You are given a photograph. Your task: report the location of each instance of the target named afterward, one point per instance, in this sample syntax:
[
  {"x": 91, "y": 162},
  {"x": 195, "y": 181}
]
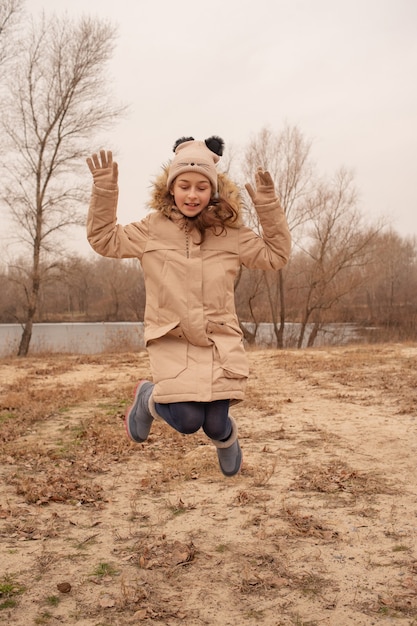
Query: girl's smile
[{"x": 192, "y": 193}]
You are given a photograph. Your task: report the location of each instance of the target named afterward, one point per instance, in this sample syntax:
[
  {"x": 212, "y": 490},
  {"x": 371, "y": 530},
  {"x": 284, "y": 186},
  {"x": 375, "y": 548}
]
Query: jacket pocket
[
  {"x": 228, "y": 341},
  {"x": 167, "y": 349},
  {"x": 172, "y": 328}
]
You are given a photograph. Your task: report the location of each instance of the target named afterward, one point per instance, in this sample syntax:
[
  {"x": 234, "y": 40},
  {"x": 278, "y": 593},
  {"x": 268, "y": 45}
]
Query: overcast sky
[{"x": 343, "y": 71}]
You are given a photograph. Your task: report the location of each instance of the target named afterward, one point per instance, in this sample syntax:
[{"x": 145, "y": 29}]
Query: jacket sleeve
[
  {"x": 105, "y": 235},
  {"x": 270, "y": 251}
]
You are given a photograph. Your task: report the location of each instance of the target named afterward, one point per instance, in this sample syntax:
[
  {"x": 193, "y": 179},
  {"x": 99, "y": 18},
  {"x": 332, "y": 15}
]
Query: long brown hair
[{"x": 214, "y": 217}]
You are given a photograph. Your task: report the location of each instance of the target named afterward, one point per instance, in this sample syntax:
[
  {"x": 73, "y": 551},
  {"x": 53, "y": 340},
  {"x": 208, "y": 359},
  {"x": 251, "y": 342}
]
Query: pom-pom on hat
[{"x": 196, "y": 156}]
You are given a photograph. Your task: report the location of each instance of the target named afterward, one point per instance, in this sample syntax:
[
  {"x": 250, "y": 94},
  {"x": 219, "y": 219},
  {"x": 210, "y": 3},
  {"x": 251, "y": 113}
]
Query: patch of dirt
[{"x": 318, "y": 529}]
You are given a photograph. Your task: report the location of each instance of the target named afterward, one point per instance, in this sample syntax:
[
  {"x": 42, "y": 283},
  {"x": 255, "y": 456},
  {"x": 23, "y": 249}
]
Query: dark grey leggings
[{"x": 188, "y": 417}]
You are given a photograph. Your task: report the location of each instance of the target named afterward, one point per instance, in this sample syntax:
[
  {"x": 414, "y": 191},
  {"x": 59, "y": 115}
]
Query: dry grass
[
  {"x": 318, "y": 529},
  {"x": 339, "y": 477}
]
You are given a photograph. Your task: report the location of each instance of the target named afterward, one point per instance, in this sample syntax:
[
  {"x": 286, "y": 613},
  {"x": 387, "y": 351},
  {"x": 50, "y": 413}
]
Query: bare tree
[
  {"x": 337, "y": 242},
  {"x": 248, "y": 291},
  {"x": 10, "y": 14},
  {"x": 117, "y": 285},
  {"x": 8, "y": 297},
  {"x": 286, "y": 155},
  {"x": 391, "y": 289},
  {"x": 78, "y": 277},
  {"x": 57, "y": 98}
]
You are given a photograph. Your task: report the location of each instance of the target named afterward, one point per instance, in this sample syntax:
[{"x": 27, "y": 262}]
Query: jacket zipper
[{"x": 187, "y": 241}]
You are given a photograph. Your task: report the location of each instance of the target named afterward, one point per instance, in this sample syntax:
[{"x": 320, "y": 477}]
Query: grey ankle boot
[
  {"x": 229, "y": 453},
  {"x": 140, "y": 415}
]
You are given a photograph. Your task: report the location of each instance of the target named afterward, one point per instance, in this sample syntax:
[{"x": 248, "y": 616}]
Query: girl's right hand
[{"x": 103, "y": 169}]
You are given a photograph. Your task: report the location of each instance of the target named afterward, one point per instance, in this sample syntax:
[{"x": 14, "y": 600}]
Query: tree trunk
[
  {"x": 248, "y": 335},
  {"x": 303, "y": 328},
  {"x": 33, "y": 297},
  {"x": 281, "y": 329},
  {"x": 26, "y": 338},
  {"x": 278, "y": 330},
  {"x": 313, "y": 335},
  {"x": 28, "y": 325}
]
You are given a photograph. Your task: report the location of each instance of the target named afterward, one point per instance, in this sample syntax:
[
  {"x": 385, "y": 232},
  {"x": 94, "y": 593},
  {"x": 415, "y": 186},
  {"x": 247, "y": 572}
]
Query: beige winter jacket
[{"x": 192, "y": 332}]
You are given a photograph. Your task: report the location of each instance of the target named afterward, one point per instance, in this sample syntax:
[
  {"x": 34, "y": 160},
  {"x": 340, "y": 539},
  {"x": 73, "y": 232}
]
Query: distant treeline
[{"x": 377, "y": 289}]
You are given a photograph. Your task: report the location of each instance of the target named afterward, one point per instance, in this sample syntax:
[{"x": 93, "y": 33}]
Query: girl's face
[{"x": 192, "y": 193}]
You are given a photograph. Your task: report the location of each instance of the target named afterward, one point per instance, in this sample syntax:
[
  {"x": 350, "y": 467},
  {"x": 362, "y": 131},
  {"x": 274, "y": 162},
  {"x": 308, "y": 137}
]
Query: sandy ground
[{"x": 318, "y": 529}]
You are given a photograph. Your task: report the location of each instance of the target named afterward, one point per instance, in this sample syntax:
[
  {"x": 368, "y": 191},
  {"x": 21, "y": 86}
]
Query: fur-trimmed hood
[{"x": 161, "y": 199}]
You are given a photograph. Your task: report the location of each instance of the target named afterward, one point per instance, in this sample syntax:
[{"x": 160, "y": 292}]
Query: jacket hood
[{"x": 161, "y": 199}]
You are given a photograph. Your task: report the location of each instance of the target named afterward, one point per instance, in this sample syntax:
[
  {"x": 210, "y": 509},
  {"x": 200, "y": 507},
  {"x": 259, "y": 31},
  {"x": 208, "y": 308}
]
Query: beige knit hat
[{"x": 196, "y": 156}]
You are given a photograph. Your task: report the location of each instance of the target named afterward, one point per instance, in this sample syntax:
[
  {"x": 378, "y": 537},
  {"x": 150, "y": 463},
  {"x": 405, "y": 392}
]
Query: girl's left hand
[{"x": 265, "y": 190}]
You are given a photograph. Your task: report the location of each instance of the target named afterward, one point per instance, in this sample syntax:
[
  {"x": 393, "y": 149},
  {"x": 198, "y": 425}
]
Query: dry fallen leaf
[
  {"x": 141, "y": 614},
  {"x": 107, "y": 602}
]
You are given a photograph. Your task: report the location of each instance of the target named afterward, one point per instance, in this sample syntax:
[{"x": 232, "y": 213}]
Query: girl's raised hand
[
  {"x": 265, "y": 190},
  {"x": 103, "y": 169}
]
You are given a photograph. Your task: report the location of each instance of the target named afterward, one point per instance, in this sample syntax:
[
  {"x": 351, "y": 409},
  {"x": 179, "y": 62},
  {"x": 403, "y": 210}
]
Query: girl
[{"x": 191, "y": 248}]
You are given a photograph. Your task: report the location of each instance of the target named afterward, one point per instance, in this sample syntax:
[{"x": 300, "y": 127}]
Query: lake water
[{"x": 94, "y": 338}]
